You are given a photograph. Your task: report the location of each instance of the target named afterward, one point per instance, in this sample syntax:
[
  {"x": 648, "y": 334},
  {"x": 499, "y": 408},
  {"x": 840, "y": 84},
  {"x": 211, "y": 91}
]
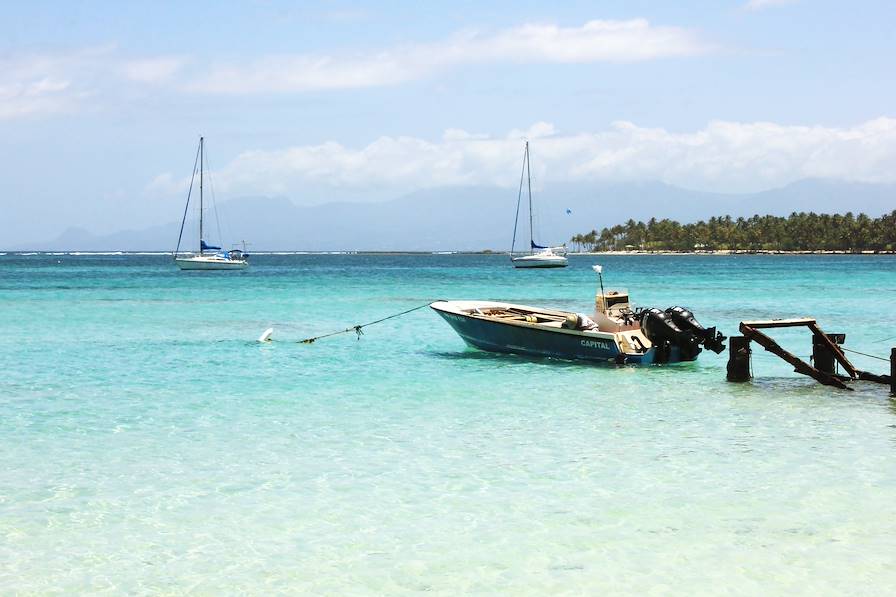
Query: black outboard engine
[
  {"x": 661, "y": 329},
  {"x": 709, "y": 337}
]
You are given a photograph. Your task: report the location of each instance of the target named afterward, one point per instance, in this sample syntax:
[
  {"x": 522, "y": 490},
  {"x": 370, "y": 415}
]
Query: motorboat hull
[
  {"x": 538, "y": 340},
  {"x": 204, "y": 263}
]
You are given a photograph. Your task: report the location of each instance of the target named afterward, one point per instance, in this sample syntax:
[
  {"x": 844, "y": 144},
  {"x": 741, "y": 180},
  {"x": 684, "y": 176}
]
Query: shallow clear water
[{"x": 149, "y": 445}]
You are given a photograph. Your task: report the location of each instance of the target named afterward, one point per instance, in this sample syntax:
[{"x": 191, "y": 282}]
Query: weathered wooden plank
[
  {"x": 778, "y": 323},
  {"x": 865, "y": 376}
]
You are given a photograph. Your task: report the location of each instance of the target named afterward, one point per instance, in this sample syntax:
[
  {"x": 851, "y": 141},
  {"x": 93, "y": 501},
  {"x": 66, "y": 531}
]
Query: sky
[{"x": 102, "y": 103}]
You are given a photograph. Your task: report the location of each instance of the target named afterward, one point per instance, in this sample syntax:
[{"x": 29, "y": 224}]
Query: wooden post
[
  {"x": 739, "y": 359},
  {"x": 838, "y": 354},
  {"x": 822, "y": 356},
  {"x": 893, "y": 372}
]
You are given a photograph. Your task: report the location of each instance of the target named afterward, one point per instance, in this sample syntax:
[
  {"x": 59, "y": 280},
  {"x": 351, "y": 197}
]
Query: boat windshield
[
  {"x": 612, "y": 300},
  {"x": 616, "y": 299}
]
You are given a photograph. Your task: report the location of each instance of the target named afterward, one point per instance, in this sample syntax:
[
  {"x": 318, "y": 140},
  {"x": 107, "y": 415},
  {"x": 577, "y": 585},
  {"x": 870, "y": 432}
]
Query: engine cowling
[
  {"x": 662, "y": 331},
  {"x": 685, "y": 320}
]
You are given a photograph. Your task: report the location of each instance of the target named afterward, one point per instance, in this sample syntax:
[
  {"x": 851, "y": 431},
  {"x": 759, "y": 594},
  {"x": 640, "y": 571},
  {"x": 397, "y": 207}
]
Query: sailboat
[
  {"x": 538, "y": 256},
  {"x": 208, "y": 257}
]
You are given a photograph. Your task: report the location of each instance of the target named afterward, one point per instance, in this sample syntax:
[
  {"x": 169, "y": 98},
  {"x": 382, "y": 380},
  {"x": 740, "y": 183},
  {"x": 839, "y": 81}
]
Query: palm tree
[{"x": 798, "y": 231}]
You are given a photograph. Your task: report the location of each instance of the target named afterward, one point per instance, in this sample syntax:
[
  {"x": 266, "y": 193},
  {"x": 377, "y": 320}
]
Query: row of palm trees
[{"x": 796, "y": 232}]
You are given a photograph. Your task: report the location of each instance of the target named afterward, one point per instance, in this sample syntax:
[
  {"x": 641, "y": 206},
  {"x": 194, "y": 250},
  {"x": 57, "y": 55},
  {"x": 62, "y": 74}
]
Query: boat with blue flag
[
  {"x": 615, "y": 333},
  {"x": 209, "y": 257},
  {"x": 539, "y": 256}
]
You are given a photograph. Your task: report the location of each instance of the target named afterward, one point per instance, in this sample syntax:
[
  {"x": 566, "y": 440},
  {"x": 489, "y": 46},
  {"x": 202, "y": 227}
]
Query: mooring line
[
  {"x": 865, "y": 354},
  {"x": 357, "y": 328}
]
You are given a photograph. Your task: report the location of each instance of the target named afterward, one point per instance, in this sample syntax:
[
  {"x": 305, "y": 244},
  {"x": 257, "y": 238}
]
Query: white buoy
[{"x": 266, "y": 335}]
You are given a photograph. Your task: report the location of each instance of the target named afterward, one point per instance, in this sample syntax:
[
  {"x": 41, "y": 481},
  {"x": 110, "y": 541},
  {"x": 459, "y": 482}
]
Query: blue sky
[{"x": 101, "y": 103}]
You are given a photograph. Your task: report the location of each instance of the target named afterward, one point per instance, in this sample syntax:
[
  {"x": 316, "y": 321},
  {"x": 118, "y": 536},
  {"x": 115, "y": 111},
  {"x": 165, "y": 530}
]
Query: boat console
[{"x": 613, "y": 312}]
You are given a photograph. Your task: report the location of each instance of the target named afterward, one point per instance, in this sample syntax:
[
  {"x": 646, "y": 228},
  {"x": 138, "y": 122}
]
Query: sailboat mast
[
  {"x": 201, "y": 167},
  {"x": 529, "y": 182}
]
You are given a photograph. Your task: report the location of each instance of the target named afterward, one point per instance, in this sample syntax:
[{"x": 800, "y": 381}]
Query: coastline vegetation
[{"x": 796, "y": 232}]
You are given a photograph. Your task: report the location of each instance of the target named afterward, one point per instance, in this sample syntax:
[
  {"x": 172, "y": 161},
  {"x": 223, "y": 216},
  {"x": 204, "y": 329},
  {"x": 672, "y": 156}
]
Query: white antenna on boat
[{"x": 600, "y": 274}]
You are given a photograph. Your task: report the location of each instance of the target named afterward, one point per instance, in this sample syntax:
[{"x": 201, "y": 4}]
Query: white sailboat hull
[
  {"x": 524, "y": 262},
  {"x": 206, "y": 262},
  {"x": 542, "y": 260}
]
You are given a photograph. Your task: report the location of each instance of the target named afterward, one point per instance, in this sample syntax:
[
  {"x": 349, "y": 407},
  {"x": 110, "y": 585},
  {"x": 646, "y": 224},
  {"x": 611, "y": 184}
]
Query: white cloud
[
  {"x": 760, "y": 4},
  {"x": 41, "y": 84},
  {"x": 24, "y": 97},
  {"x": 45, "y": 84},
  {"x": 595, "y": 41},
  {"x": 723, "y": 156},
  {"x": 152, "y": 70},
  {"x": 166, "y": 184},
  {"x": 345, "y": 15}
]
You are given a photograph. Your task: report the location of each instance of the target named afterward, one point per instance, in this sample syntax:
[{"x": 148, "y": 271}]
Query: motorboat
[{"x": 615, "y": 333}]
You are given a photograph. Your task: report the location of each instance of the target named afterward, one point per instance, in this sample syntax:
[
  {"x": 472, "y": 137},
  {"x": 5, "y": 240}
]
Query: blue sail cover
[
  {"x": 534, "y": 246},
  {"x": 206, "y": 247}
]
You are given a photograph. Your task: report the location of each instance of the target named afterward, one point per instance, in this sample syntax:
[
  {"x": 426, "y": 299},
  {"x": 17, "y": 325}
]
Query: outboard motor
[
  {"x": 709, "y": 337},
  {"x": 661, "y": 329}
]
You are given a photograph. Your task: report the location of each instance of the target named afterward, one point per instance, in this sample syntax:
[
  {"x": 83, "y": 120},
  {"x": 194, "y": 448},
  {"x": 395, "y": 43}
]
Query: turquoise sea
[{"x": 148, "y": 444}]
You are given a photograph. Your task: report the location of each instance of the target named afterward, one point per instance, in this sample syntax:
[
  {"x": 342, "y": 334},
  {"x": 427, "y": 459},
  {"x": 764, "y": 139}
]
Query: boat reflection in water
[{"x": 615, "y": 333}]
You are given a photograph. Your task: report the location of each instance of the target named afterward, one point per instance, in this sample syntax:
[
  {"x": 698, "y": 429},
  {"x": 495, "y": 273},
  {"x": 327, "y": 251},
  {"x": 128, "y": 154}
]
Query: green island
[{"x": 798, "y": 232}]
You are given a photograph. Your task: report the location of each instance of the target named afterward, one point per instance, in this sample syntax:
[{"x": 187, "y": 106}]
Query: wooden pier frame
[
  {"x": 825, "y": 350},
  {"x": 750, "y": 330}
]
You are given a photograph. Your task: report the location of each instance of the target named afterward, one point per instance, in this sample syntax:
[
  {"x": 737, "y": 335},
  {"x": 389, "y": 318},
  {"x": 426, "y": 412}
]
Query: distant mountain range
[{"x": 477, "y": 218}]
